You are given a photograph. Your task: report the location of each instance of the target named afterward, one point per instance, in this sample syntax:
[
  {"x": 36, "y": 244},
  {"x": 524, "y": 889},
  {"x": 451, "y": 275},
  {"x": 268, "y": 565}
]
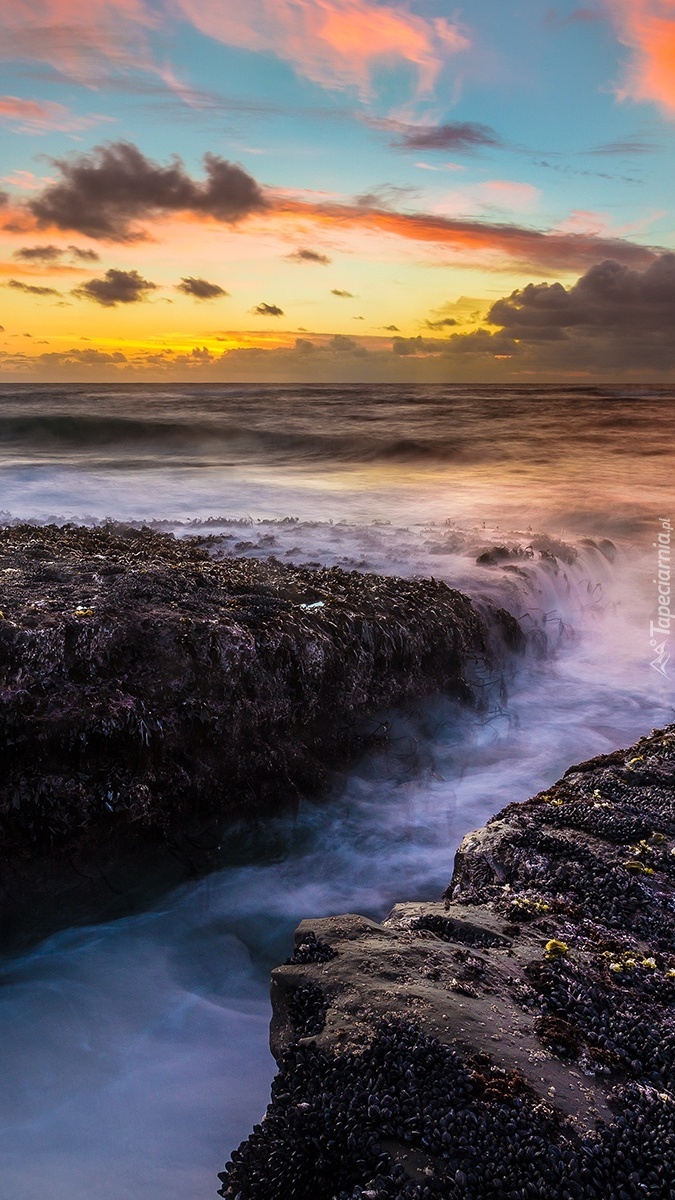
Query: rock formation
[
  {"x": 515, "y": 1039},
  {"x": 150, "y": 693}
]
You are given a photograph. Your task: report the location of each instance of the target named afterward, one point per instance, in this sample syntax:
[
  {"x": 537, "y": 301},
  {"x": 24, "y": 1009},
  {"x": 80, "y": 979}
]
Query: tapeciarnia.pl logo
[{"x": 659, "y": 630}]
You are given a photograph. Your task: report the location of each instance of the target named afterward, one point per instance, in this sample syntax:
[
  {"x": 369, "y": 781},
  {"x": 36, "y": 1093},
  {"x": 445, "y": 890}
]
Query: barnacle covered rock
[{"x": 485, "y": 1047}]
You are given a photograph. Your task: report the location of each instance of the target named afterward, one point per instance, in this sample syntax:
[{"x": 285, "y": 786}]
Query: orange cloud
[
  {"x": 502, "y": 245},
  {"x": 35, "y": 116},
  {"x": 647, "y": 27},
  {"x": 336, "y": 43},
  {"x": 74, "y": 37}
]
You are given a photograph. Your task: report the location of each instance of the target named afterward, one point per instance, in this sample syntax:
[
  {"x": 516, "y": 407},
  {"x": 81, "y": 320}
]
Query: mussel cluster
[
  {"x": 311, "y": 950},
  {"x": 472, "y": 1132},
  {"x": 307, "y": 1009}
]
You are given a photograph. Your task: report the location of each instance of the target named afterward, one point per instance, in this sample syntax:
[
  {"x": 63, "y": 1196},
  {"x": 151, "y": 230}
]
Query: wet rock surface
[
  {"x": 515, "y": 1039},
  {"x": 147, "y": 692}
]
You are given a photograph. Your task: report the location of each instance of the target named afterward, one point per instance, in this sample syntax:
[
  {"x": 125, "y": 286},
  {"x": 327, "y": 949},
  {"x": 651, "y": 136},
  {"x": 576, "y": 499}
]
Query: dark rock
[
  {"x": 516, "y": 1040},
  {"x": 148, "y": 693}
]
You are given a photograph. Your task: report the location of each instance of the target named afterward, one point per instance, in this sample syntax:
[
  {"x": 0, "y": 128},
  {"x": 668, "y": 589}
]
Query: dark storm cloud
[
  {"x": 201, "y": 289},
  {"x": 613, "y": 318},
  {"x": 32, "y": 289},
  {"x": 53, "y": 254},
  {"x": 41, "y": 254},
  {"x": 116, "y": 287},
  {"x": 442, "y": 323},
  {"x": 343, "y": 295},
  {"x": 84, "y": 255},
  {"x": 103, "y": 193},
  {"x": 311, "y": 256},
  {"x": 608, "y": 297},
  {"x": 268, "y": 310},
  {"x": 455, "y": 136}
]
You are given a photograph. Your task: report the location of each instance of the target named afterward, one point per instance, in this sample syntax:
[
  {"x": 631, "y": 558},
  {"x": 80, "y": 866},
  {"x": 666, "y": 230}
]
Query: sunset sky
[{"x": 337, "y": 190}]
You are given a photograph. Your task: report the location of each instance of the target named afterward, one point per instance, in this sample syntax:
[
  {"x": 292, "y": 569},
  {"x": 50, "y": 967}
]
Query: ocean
[{"x": 135, "y": 1053}]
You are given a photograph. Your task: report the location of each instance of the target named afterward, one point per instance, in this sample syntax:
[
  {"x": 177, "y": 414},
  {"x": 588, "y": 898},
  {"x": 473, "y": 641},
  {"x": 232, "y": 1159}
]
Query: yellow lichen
[
  {"x": 556, "y": 949},
  {"x": 626, "y": 960},
  {"x": 637, "y": 868},
  {"x": 530, "y": 905}
]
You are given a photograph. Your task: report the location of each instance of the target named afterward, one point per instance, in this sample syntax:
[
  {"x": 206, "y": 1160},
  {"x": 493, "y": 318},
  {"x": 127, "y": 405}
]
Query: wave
[{"x": 58, "y": 434}]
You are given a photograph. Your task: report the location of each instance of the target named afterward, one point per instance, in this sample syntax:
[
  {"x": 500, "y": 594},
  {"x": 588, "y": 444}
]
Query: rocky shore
[
  {"x": 150, "y": 694},
  {"x": 515, "y": 1039}
]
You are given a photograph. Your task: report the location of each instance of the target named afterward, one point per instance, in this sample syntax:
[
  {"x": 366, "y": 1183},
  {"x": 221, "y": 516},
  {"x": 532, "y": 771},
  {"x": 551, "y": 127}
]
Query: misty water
[{"x": 135, "y": 1053}]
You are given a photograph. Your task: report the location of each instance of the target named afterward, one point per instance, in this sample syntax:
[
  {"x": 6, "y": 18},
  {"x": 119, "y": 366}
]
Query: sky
[{"x": 296, "y": 190}]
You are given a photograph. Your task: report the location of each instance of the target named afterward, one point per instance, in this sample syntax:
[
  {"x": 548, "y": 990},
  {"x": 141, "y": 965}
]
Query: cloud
[
  {"x": 44, "y": 116},
  {"x": 503, "y": 245},
  {"x": 609, "y": 297},
  {"x": 613, "y": 324},
  {"x": 31, "y": 289},
  {"x": 53, "y": 255},
  {"x": 391, "y": 328},
  {"x": 116, "y": 287},
  {"x": 612, "y": 319},
  {"x": 312, "y": 256},
  {"x": 417, "y": 345},
  {"x": 342, "y": 294},
  {"x": 83, "y": 255},
  {"x": 553, "y": 19},
  {"x": 201, "y": 289},
  {"x": 338, "y": 44},
  {"x": 442, "y": 323},
  {"x": 103, "y": 194},
  {"x": 335, "y": 43},
  {"x": 79, "y": 40},
  {"x": 627, "y": 145},
  {"x": 456, "y": 136},
  {"x": 647, "y": 27},
  {"x": 267, "y": 310},
  {"x": 41, "y": 254},
  {"x": 346, "y": 345}
]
